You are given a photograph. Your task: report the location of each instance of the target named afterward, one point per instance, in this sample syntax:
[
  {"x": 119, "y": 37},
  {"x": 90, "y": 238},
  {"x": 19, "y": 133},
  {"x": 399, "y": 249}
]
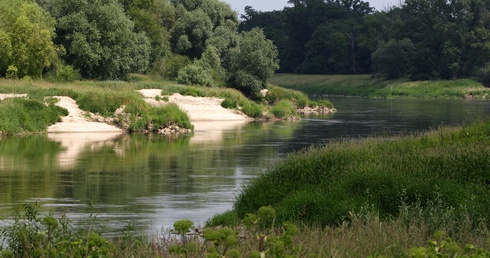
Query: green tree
[
  {"x": 190, "y": 33},
  {"x": 252, "y": 62},
  {"x": 26, "y": 38},
  {"x": 154, "y": 18},
  {"x": 99, "y": 38},
  {"x": 391, "y": 58}
]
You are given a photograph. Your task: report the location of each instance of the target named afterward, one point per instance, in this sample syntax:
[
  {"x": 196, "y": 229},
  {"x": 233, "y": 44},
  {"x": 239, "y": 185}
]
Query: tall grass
[
  {"x": 362, "y": 235},
  {"x": 445, "y": 174},
  {"x": 20, "y": 115},
  {"x": 366, "y": 86}
]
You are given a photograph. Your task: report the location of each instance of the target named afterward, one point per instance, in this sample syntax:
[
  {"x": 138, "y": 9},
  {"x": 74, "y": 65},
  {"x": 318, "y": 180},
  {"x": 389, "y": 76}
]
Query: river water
[{"x": 150, "y": 181}]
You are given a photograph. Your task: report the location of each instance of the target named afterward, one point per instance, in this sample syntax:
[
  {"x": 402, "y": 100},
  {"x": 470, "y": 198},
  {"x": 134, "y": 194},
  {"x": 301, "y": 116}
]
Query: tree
[
  {"x": 391, "y": 59},
  {"x": 190, "y": 33},
  {"x": 253, "y": 61},
  {"x": 99, "y": 38},
  {"x": 26, "y": 38}
]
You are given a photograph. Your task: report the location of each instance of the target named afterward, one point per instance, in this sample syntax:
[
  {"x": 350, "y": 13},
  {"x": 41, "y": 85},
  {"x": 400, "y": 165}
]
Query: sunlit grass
[{"x": 366, "y": 86}]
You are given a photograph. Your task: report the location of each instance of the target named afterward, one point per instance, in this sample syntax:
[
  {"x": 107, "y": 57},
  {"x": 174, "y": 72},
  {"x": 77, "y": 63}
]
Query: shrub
[
  {"x": 195, "y": 75},
  {"x": 27, "y": 115},
  {"x": 33, "y": 236},
  {"x": 169, "y": 67},
  {"x": 284, "y": 109},
  {"x": 253, "y": 110},
  {"x": 12, "y": 72},
  {"x": 192, "y": 91},
  {"x": 229, "y": 103},
  {"x": 64, "y": 73}
]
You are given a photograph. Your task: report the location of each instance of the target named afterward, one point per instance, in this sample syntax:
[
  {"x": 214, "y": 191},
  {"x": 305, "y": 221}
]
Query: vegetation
[
  {"x": 28, "y": 115},
  {"x": 260, "y": 235},
  {"x": 366, "y": 86},
  {"x": 439, "y": 178},
  {"x": 194, "y": 42},
  {"x": 120, "y": 103},
  {"x": 419, "y": 39}
]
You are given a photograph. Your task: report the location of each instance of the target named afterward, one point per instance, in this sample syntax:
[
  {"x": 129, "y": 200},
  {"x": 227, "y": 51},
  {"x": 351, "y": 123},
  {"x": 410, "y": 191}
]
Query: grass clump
[
  {"x": 284, "y": 109},
  {"x": 21, "y": 115}
]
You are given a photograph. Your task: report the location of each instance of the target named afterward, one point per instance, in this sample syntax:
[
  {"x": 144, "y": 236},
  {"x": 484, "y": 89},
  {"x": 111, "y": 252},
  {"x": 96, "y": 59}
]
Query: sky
[{"x": 269, "y": 5}]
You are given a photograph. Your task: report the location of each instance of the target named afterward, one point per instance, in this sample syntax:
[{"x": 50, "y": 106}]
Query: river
[{"x": 150, "y": 181}]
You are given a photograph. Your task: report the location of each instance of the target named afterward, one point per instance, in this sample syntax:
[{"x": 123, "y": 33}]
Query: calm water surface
[{"x": 150, "y": 181}]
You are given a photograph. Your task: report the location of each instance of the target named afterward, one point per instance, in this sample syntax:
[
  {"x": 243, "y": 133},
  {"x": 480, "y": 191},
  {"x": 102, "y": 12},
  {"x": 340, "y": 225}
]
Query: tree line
[
  {"x": 421, "y": 39},
  {"x": 192, "y": 41}
]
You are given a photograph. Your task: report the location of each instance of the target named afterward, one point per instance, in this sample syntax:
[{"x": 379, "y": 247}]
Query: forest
[
  {"x": 418, "y": 39},
  {"x": 204, "y": 42}
]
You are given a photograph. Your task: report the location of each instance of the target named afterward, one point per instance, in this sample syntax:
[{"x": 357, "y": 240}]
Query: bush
[
  {"x": 169, "y": 67},
  {"x": 192, "y": 91},
  {"x": 195, "y": 75},
  {"x": 284, "y": 109},
  {"x": 65, "y": 73},
  {"x": 253, "y": 110},
  {"x": 12, "y": 72},
  {"x": 33, "y": 236},
  {"x": 27, "y": 115},
  {"x": 229, "y": 103}
]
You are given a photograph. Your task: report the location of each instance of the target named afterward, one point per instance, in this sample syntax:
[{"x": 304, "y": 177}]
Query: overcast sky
[{"x": 269, "y": 5}]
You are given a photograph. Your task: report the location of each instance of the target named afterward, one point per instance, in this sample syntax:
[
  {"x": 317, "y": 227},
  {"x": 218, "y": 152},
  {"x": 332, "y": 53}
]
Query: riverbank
[
  {"x": 123, "y": 106},
  {"x": 366, "y": 86}
]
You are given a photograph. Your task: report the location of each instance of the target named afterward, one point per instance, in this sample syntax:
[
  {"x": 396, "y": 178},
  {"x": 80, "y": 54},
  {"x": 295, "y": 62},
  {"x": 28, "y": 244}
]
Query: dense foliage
[
  {"x": 419, "y": 38},
  {"x": 196, "y": 42}
]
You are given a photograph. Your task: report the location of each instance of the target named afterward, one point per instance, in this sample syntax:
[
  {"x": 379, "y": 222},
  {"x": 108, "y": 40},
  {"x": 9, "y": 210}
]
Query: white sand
[
  {"x": 77, "y": 121},
  {"x": 197, "y": 108}
]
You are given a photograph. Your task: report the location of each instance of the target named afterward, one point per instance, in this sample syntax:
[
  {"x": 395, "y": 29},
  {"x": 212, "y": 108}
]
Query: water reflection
[
  {"x": 152, "y": 180},
  {"x": 74, "y": 144}
]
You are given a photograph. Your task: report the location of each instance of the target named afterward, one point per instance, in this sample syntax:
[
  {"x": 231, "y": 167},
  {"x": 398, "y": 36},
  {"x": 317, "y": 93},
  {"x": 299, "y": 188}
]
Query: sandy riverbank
[{"x": 198, "y": 109}]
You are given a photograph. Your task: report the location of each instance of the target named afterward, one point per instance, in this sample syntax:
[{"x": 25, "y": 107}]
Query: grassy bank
[
  {"x": 442, "y": 175},
  {"x": 366, "y": 86},
  {"x": 104, "y": 98}
]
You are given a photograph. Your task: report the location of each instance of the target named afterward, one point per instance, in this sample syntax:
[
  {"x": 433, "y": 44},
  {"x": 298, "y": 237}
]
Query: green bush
[
  {"x": 229, "y": 103},
  {"x": 64, "y": 73},
  {"x": 192, "y": 91},
  {"x": 169, "y": 67},
  {"x": 194, "y": 75},
  {"x": 276, "y": 94},
  {"x": 253, "y": 110},
  {"x": 284, "y": 109},
  {"x": 483, "y": 74},
  {"x": 33, "y": 236},
  {"x": 227, "y": 218},
  {"x": 19, "y": 115}
]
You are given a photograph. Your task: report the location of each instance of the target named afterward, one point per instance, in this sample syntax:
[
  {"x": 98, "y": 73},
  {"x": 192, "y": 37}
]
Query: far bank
[{"x": 367, "y": 86}]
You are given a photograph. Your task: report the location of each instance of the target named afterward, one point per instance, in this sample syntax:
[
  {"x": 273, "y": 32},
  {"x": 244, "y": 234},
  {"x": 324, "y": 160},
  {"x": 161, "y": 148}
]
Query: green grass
[
  {"x": 366, "y": 86},
  {"x": 441, "y": 178},
  {"x": 21, "y": 115}
]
